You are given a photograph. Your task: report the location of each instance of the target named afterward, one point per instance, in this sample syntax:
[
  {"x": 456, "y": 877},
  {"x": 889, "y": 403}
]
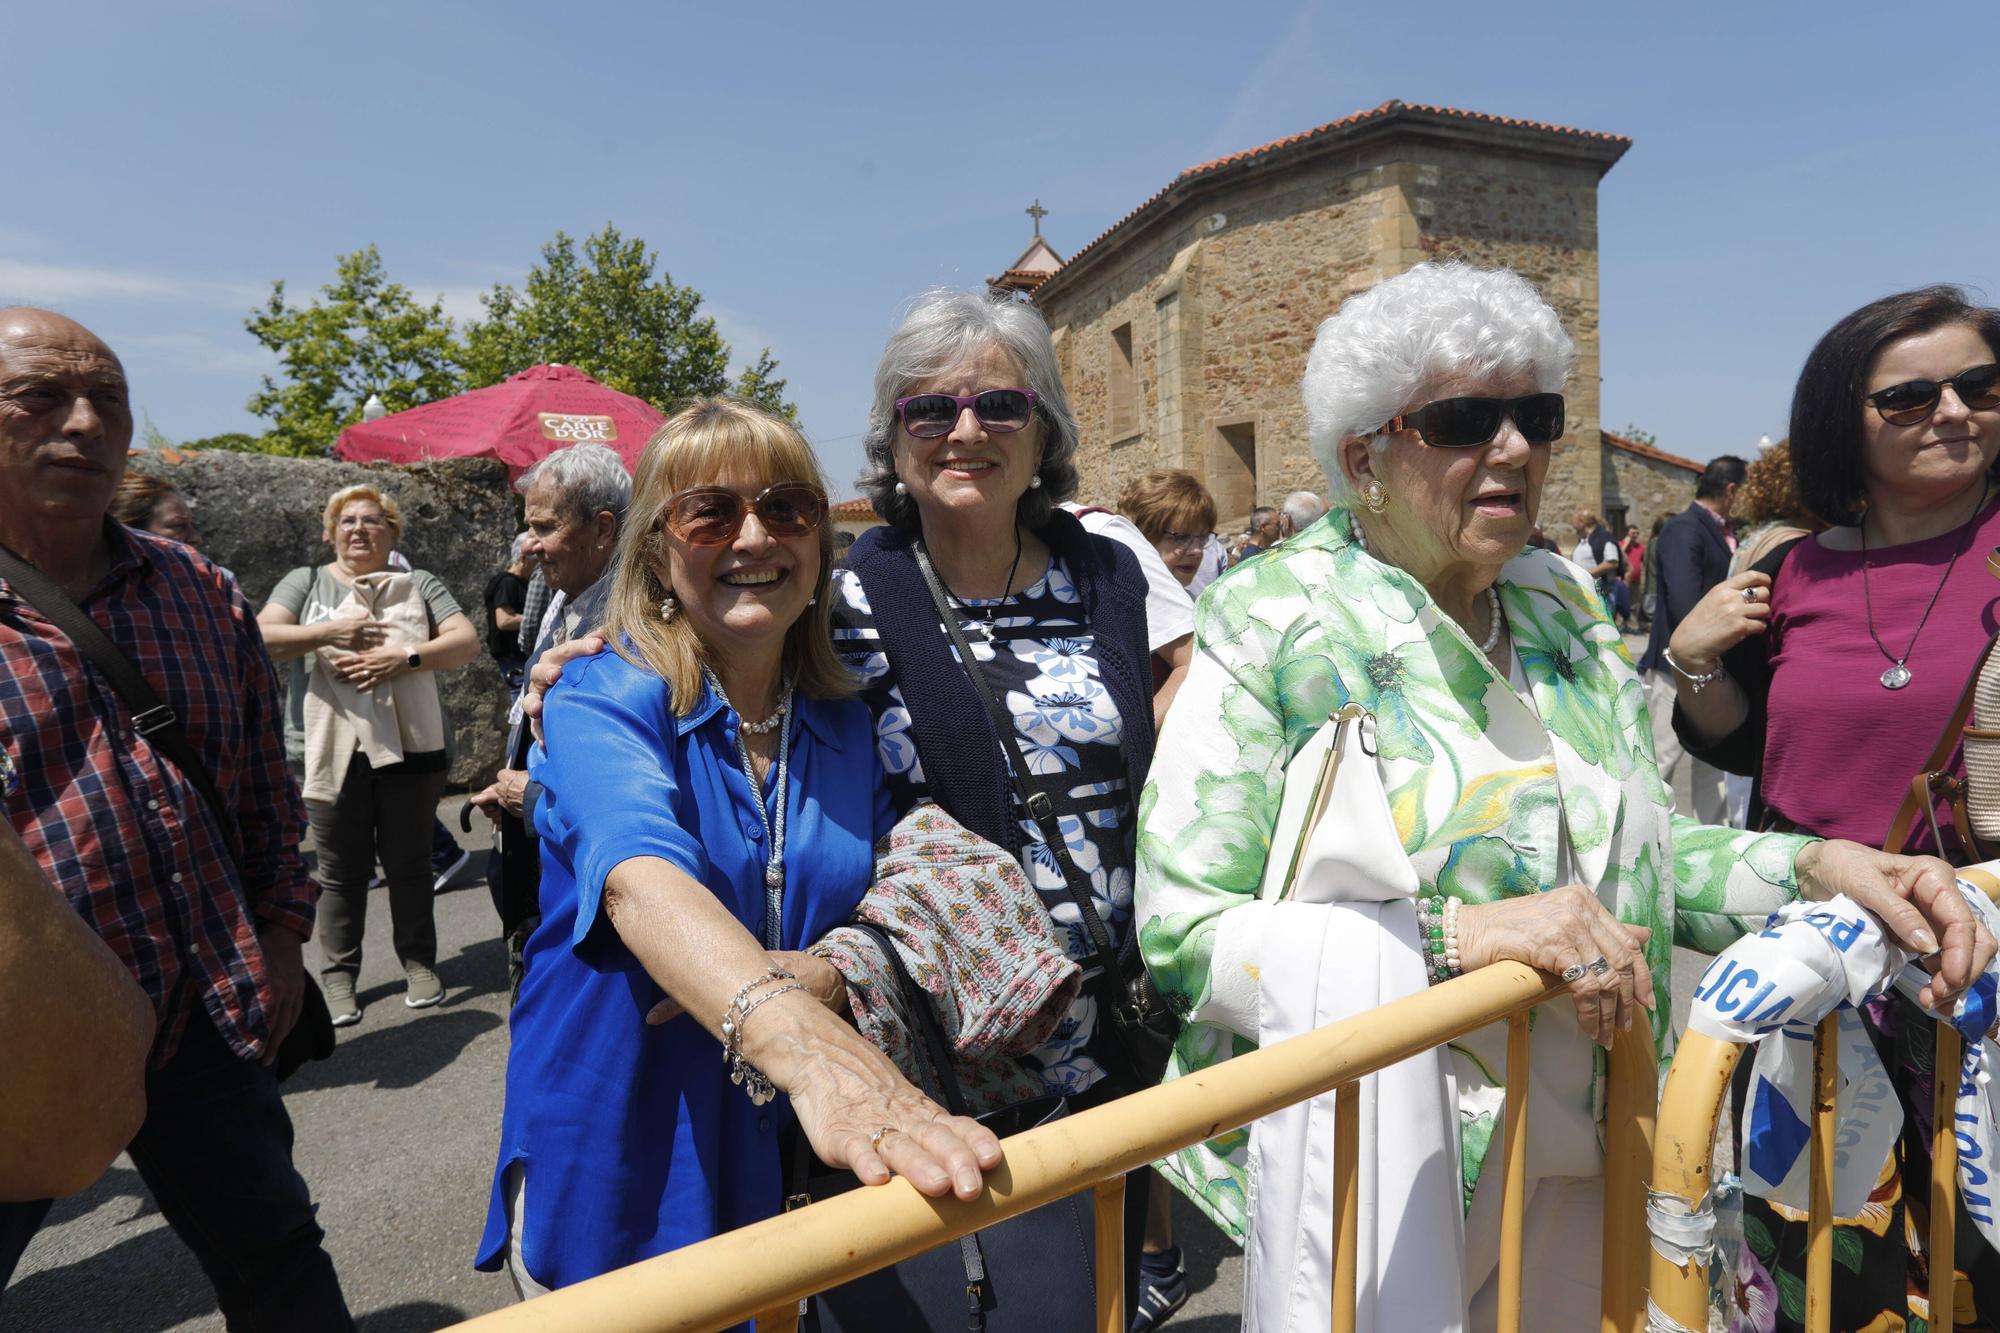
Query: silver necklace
[
  {"x": 1898, "y": 675},
  {"x": 985, "y": 625},
  {"x": 1492, "y": 604},
  {"x": 772, "y": 815}
]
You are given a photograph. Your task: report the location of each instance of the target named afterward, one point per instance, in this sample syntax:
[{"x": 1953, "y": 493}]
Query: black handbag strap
[
  {"x": 1039, "y": 804},
  {"x": 151, "y": 717}
]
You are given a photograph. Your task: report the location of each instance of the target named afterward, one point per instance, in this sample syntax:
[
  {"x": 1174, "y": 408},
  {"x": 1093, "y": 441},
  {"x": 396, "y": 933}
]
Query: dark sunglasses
[
  {"x": 929, "y": 415},
  {"x": 713, "y": 515},
  {"x": 1467, "y": 423},
  {"x": 1908, "y": 403}
]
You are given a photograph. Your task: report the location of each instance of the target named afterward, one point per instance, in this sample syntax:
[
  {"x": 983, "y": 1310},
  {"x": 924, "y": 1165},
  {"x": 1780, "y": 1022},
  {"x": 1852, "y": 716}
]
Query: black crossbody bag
[
  {"x": 1141, "y": 1025},
  {"x": 1035, "y": 1273},
  {"x": 311, "y": 1037}
]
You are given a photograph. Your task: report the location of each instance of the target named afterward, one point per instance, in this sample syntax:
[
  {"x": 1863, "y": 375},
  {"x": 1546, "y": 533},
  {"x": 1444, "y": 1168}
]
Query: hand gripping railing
[
  {"x": 1696, "y": 1098},
  {"x": 762, "y": 1271}
]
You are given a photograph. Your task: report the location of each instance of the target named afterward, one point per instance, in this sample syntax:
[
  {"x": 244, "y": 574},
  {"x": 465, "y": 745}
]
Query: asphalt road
[{"x": 396, "y": 1136}]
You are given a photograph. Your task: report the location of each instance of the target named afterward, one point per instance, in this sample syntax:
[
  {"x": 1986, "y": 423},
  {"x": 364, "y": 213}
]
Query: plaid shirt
[{"x": 120, "y": 830}]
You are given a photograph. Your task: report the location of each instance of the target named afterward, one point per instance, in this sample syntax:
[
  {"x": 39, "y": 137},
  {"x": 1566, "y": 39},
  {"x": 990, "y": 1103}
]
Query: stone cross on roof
[{"x": 1037, "y": 212}]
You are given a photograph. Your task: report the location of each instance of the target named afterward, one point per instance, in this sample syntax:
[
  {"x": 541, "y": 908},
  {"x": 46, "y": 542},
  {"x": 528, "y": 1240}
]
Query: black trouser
[
  {"x": 216, "y": 1152},
  {"x": 385, "y": 812}
]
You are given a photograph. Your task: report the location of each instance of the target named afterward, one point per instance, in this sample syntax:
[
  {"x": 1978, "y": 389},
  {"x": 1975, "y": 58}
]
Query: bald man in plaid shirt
[{"x": 208, "y": 914}]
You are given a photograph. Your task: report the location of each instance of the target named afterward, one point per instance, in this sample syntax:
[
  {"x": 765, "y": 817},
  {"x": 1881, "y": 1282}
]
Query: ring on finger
[
  {"x": 1598, "y": 966},
  {"x": 1574, "y": 972},
  {"x": 1749, "y": 594},
  {"x": 875, "y": 1139}
]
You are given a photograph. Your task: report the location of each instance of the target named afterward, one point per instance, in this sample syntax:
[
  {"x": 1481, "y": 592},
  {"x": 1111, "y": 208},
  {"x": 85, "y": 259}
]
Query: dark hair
[
  {"x": 1827, "y": 406},
  {"x": 139, "y": 494},
  {"x": 1722, "y": 472}
]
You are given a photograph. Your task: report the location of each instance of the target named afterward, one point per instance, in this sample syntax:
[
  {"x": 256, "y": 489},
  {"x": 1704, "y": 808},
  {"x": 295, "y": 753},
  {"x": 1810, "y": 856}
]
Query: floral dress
[
  {"x": 1492, "y": 791},
  {"x": 1042, "y": 667}
]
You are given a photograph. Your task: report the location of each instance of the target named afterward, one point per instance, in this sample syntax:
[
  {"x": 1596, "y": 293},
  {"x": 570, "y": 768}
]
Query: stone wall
[
  {"x": 1223, "y": 285},
  {"x": 260, "y": 516},
  {"x": 1647, "y": 488}
]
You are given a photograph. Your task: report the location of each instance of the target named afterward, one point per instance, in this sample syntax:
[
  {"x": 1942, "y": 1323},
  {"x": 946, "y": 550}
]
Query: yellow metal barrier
[
  {"x": 765, "y": 1269},
  {"x": 1692, "y": 1106}
]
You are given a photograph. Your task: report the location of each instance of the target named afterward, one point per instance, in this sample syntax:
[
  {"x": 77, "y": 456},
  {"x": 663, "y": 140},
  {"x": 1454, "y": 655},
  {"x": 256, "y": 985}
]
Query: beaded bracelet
[
  {"x": 1430, "y": 921},
  {"x": 741, "y": 1072},
  {"x": 1451, "y": 962}
]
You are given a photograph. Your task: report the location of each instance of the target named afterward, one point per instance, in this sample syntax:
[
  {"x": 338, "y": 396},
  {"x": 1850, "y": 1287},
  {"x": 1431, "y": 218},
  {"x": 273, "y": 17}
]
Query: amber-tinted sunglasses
[
  {"x": 713, "y": 515},
  {"x": 1913, "y": 401}
]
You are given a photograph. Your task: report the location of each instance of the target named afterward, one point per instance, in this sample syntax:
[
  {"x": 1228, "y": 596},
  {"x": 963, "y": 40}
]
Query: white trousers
[
  {"x": 1561, "y": 1253},
  {"x": 1706, "y": 783}
]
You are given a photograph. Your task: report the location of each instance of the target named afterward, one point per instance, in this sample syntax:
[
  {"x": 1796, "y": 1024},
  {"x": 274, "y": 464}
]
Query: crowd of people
[{"x": 822, "y": 859}]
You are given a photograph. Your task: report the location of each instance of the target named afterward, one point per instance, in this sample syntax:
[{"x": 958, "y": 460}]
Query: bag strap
[
  {"x": 151, "y": 717},
  {"x": 1919, "y": 794},
  {"x": 1040, "y": 806}
]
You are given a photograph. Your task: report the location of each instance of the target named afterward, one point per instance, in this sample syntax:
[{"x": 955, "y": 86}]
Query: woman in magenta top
[{"x": 1829, "y": 669}]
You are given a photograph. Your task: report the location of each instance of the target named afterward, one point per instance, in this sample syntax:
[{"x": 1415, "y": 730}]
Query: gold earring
[{"x": 1374, "y": 497}]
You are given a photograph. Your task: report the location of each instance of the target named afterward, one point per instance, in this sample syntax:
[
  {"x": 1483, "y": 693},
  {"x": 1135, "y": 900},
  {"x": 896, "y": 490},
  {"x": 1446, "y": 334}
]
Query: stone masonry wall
[
  {"x": 260, "y": 516},
  {"x": 1646, "y": 487},
  {"x": 1223, "y": 303}
]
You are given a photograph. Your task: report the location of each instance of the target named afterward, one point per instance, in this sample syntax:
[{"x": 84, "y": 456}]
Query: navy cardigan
[{"x": 963, "y": 759}]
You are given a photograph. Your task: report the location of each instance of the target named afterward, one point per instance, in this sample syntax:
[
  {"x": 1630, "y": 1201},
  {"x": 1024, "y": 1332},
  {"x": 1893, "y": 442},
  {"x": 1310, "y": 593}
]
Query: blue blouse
[{"x": 631, "y": 1138}]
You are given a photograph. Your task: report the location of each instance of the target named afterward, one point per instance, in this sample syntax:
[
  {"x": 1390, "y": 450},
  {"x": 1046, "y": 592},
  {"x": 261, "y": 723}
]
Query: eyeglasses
[
  {"x": 1182, "y": 541},
  {"x": 1912, "y": 401},
  {"x": 713, "y": 515},
  {"x": 1467, "y": 423},
  {"x": 351, "y": 521},
  {"x": 1002, "y": 411}
]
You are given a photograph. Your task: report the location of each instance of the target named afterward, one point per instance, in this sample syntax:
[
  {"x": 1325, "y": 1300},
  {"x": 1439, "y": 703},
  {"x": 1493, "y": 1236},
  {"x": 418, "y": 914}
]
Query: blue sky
[{"x": 809, "y": 167}]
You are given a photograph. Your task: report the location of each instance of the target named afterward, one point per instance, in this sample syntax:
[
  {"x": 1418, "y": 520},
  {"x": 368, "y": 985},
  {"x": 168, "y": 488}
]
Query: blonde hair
[
  {"x": 347, "y": 495},
  {"x": 709, "y": 439}
]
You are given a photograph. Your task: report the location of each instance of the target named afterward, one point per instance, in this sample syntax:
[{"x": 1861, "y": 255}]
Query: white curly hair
[{"x": 1373, "y": 357}]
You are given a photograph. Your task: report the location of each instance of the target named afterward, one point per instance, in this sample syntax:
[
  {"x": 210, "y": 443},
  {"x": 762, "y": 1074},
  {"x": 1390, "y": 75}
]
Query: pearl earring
[
  {"x": 670, "y": 606},
  {"x": 1035, "y": 482},
  {"x": 901, "y": 489},
  {"x": 1374, "y": 497}
]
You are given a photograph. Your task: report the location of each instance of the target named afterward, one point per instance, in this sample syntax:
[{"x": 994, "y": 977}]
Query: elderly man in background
[
  {"x": 575, "y": 506},
  {"x": 1300, "y": 510},
  {"x": 1690, "y": 556},
  {"x": 208, "y": 907}
]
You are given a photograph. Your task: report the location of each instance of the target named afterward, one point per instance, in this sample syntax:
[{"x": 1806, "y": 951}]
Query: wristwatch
[{"x": 416, "y": 660}]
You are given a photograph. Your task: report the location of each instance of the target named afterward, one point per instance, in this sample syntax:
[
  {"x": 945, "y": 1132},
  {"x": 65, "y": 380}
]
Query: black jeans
[
  {"x": 387, "y": 813},
  {"x": 216, "y": 1153}
]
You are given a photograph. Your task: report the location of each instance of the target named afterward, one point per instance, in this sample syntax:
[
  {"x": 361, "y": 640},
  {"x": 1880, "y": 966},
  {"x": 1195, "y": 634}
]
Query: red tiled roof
[
  {"x": 1023, "y": 279},
  {"x": 1648, "y": 451},
  {"x": 855, "y": 509},
  {"x": 1388, "y": 108}
]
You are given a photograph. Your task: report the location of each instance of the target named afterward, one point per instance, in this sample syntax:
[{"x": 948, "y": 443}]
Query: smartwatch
[{"x": 416, "y": 660}]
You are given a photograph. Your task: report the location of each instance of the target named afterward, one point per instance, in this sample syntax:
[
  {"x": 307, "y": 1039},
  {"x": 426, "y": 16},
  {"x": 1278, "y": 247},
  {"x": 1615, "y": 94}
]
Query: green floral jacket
[{"x": 1484, "y": 789}]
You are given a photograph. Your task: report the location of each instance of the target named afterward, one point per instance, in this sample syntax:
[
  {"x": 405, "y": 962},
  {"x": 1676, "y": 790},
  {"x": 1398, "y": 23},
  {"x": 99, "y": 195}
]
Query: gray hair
[
  {"x": 585, "y": 480},
  {"x": 518, "y": 550},
  {"x": 1303, "y": 508},
  {"x": 942, "y": 329},
  {"x": 1383, "y": 348}
]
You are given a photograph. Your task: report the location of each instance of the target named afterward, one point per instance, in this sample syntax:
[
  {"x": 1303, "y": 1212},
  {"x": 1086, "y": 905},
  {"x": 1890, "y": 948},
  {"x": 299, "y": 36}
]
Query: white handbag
[{"x": 1343, "y": 940}]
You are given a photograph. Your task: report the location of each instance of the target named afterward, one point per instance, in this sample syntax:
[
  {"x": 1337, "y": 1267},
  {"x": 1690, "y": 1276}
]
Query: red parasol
[{"x": 519, "y": 421}]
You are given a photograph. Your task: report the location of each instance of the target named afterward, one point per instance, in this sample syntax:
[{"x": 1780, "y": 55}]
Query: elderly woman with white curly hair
[{"x": 1514, "y": 811}]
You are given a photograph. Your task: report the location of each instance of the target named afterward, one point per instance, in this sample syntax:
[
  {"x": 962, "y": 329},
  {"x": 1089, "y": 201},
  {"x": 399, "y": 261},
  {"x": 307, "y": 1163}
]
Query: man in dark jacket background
[{"x": 1692, "y": 555}]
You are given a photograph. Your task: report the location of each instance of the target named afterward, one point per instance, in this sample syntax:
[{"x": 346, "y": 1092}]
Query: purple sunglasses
[{"x": 929, "y": 415}]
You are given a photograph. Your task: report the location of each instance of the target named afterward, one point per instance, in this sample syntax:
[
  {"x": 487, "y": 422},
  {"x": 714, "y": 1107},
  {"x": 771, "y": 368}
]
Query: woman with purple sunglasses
[{"x": 969, "y": 451}]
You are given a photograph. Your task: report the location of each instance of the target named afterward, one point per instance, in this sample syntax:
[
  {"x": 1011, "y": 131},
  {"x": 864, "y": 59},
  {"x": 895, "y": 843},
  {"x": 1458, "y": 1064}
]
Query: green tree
[
  {"x": 606, "y": 312},
  {"x": 363, "y": 335},
  {"x": 234, "y": 441}
]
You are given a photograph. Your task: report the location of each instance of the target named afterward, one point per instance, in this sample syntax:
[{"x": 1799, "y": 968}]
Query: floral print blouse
[
  {"x": 1037, "y": 651},
  {"x": 1491, "y": 791}
]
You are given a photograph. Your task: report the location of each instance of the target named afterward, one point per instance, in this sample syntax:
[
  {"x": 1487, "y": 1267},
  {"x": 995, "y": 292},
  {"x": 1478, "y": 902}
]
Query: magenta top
[{"x": 1839, "y": 749}]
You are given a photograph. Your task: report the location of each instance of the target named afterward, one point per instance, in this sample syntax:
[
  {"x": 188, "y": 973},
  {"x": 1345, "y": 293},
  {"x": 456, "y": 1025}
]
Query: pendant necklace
[
  {"x": 984, "y": 623},
  {"x": 770, "y": 815},
  {"x": 1898, "y": 675}
]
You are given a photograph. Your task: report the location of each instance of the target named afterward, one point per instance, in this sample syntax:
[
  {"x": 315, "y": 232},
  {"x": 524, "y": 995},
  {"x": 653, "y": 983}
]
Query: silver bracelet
[
  {"x": 1696, "y": 683},
  {"x": 741, "y": 1072}
]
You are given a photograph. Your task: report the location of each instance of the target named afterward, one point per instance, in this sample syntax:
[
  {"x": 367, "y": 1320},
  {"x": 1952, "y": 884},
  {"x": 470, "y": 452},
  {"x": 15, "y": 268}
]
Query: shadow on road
[
  {"x": 413, "y": 1317},
  {"x": 150, "y": 1280},
  {"x": 396, "y": 1057}
]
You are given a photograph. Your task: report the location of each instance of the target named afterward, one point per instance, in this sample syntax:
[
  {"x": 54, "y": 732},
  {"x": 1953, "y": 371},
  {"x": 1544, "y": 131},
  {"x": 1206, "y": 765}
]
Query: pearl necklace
[{"x": 1493, "y": 616}]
